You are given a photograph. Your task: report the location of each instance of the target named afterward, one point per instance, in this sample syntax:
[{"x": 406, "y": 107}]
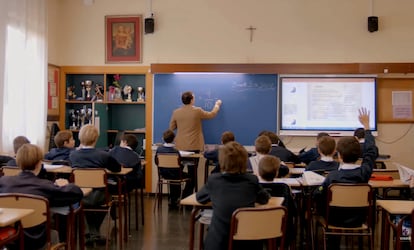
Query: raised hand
[{"x": 363, "y": 117}]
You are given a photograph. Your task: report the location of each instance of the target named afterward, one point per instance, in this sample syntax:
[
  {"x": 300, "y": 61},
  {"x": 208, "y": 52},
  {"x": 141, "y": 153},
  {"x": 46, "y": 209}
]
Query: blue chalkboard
[{"x": 249, "y": 103}]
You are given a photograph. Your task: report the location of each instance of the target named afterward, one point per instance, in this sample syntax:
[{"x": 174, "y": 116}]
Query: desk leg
[{"x": 192, "y": 227}]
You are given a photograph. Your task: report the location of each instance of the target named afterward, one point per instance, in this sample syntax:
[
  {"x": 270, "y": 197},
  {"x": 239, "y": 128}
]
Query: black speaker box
[
  {"x": 149, "y": 25},
  {"x": 372, "y": 23}
]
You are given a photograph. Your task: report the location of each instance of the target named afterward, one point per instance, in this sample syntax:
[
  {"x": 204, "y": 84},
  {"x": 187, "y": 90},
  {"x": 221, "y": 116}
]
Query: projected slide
[{"x": 325, "y": 104}]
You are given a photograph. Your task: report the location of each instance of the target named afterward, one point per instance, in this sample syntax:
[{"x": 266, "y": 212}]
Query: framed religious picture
[{"x": 123, "y": 39}]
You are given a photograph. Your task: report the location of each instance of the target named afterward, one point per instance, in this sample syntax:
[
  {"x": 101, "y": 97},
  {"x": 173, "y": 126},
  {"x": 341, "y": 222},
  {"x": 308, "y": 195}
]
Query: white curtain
[{"x": 23, "y": 71}]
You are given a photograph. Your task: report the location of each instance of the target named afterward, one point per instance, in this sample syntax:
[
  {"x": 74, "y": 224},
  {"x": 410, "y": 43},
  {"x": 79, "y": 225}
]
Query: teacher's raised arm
[{"x": 187, "y": 120}]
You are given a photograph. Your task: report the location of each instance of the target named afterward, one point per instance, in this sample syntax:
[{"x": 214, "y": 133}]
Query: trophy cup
[
  {"x": 72, "y": 118},
  {"x": 83, "y": 91},
  {"x": 88, "y": 87},
  {"x": 127, "y": 92},
  {"x": 88, "y": 115},
  {"x": 141, "y": 94}
]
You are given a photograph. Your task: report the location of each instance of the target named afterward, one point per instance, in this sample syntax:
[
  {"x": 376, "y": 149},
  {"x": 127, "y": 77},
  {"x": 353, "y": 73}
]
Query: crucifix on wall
[{"x": 251, "y": 29}]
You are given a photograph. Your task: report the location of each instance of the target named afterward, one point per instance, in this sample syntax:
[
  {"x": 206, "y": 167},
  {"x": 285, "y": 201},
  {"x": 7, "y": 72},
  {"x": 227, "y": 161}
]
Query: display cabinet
[{"x": 114, "y": 99}]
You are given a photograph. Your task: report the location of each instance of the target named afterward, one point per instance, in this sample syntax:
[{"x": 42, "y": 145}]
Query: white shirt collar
[
  {"x": 170, "y": 145},
  {"x": 128, "y": 147},
  {"x": 348, "y": 166},
  {"x": 327, "y": 158}
]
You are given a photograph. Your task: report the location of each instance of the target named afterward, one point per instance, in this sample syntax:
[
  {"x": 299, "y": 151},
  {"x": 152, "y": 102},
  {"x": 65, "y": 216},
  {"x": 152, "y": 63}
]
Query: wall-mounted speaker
[
  {"x": 372, "y": 23},
  {"x": 149, "y": 25}
]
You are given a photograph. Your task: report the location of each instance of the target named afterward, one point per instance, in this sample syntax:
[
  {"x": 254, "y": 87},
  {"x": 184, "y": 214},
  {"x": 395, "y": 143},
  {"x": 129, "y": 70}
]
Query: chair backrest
[
  {"x": 168, "y": 160},
  {"x": 39, "y": 204},
  {"x": 255, "y": 223},
  {"x": 347, "y": 202},
  {"x": 90, "y": 177},
  {"x": 11, "y": 170},
  {"x": 341, "y": 195}
]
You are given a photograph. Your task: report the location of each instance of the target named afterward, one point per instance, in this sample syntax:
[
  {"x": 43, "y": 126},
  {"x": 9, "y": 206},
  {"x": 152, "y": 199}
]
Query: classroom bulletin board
[{"x": 395, "y": 100}]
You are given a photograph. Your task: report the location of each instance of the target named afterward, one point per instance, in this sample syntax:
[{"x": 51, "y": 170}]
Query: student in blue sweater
[
  {"x": 326, "y": 163},
  {"x": 348, "y": 149}
]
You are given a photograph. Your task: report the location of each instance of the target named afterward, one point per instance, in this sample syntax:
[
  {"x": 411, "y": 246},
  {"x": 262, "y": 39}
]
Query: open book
[
  {"x": 405, "y": 173},
  {"x": 311, "y": 178}
]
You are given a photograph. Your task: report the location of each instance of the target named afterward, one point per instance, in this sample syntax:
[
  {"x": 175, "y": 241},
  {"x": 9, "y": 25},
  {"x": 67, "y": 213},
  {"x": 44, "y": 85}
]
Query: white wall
[{"x": 214, "y": 31}]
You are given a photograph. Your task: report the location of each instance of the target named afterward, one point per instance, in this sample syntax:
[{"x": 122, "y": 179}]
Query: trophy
[
  {"x": 83, "y": 91},
  {"x": 141, "y": 94},
  {"x": 127, "y": 92},
  {"x": 88, "y": 87},
  {"x": 73, "y": 118}
]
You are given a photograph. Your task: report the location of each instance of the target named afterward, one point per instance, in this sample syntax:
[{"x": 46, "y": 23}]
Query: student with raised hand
[
  {"x": 326, "y": 163},
  {"x": 229, "y": 190},
  {"x": 312, "y": 154},
  {"x": 59, "y": 193},
  {"x": 212, "y": 155},
  {"x": 65, "y": 144},
  {"x": 348, "y": 149}
]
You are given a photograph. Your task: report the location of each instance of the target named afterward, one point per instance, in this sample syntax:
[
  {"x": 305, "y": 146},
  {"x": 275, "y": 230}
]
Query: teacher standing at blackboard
[{"x": 188, "y": 122}]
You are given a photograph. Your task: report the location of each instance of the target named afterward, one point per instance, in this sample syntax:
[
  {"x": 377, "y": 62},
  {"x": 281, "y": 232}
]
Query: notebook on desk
[
  {"x": 405, "y": 173},
  {"x": 186, "y": 153},
  {"x": 311, "y": 178}
]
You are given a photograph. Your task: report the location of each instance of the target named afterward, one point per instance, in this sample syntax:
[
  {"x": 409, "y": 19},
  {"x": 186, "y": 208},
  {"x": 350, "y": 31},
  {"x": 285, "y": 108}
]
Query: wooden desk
[
  {"x": 393, "y": 207},
  {"x": 9, "y": 216},
  {"x": 12, "y": 217},
  {"x": 396, "y": 183},
  {"x": 192, "y": 201}
]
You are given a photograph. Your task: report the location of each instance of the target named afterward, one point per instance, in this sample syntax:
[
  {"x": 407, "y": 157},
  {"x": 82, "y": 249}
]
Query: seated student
[
  {"x": 326, "y": 149},
  {"x": 282, "y": 153},
  {"x": 268, "y": 170},
  {"x": 229, "y": 190},
  {"x": 348, "y": 153},
  {"x": 87, "y": 156},
  {"x": 312, "y": 154},
  {"x": 212, "y": 155},
  {"x": 60, "y": 193},
  {"x": 263, "y": 145},
  {"x": 17, "y": 143},
  {"x": 169, "y": 147},
  {"x": 65, "y": 145},
  {"x": 126, "y": 156}
]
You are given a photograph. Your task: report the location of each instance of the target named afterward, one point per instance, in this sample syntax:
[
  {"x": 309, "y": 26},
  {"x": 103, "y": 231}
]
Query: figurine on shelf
[
  {"x": 70, "y": 93},
  {"x": 83, "y": 91},
  {"x": 88, "y": 88},
  {"x": 98, "y": 93},
  {"x": 127, "y": 92}
]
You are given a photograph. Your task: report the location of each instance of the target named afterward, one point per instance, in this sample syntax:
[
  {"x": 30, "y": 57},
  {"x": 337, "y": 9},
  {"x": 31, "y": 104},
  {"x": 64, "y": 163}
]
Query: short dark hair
[
  {"x": 186, "y": 97},
  {"x": 233, "y": 158},
  {"x": 349, "y": 149},
  {"x": 263, "y": 144},
  {"x": 18, "y": 142},
  {"x": 61, "y": 137},
  {"x": 269, "y": 167},
  {"x": 168, "y": 136},
  {"x": 359, "y": 133},
  {"x": 227, "y": 136},
  {"x": 131, "y": 140},
  {"x": 320, "y": 134},
  {"x": 326, "y": 145},
  {"x": 274, "y": 138}
]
